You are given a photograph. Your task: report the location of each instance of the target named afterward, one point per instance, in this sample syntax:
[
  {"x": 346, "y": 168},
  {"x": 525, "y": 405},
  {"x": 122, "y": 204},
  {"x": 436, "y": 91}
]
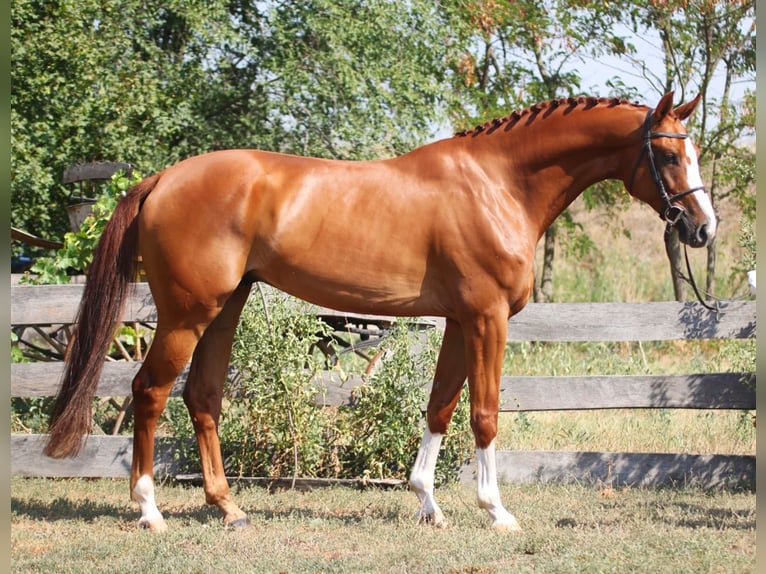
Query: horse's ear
[
  {"x": 663, "y": 108},
  {"x": 685, "y": 110}
]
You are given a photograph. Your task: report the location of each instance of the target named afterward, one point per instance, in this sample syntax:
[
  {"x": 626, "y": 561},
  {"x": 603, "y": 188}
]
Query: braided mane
[{"x": 568, "y": 104}]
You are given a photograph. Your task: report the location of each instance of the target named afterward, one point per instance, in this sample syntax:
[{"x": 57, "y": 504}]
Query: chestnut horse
[{"x": 448, "y": 229}]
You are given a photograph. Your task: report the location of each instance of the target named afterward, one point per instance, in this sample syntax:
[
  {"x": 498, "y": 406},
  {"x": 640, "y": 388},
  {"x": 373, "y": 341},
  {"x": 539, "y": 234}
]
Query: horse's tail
[{"x": 114, "y": 267}]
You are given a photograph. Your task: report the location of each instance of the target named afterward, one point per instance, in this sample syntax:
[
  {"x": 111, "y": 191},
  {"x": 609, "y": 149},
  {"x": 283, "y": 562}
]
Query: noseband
[{"x": 672, "y": 212}]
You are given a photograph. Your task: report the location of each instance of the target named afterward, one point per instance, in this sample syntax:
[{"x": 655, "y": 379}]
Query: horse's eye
[{"x": 671, "y": 159}]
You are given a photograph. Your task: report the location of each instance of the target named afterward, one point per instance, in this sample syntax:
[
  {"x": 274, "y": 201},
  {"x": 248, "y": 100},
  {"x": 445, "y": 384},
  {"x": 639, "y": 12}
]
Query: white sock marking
[
  {"x": 488, "y": 493},
  {"x": 422, "y": 477},
  {"x": 144, "y": 493}
]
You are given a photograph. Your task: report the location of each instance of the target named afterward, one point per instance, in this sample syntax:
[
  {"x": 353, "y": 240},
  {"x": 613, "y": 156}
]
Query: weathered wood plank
[
  {"x": 699, "y": 391},
  {"x": 620, "y": 469},
  {"x": 108, "y": 456},
  {"x": 668, "y": 320},
  {"x": 651, "y": 321},
  {"x": 43, "y": 379},
  {"x": 101, "y": 456},
  {"x": 57, "y": 304},
  {"x": 97, "y": 170}
]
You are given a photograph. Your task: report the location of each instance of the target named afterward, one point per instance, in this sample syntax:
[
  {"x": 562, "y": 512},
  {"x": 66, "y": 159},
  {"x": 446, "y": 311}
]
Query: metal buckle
[{"x": 673, "y": 213}]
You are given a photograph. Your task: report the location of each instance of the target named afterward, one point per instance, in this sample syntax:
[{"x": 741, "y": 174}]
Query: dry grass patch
[{"x": 566, "y": 529}]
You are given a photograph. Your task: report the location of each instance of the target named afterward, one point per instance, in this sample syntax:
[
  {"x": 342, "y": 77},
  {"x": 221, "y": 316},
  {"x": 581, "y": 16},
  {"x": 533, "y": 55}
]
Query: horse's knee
[
  {"x": 441, "y": 406},
  {"x": 484, "y": 427},
  {"x": 438, "y": 420}
]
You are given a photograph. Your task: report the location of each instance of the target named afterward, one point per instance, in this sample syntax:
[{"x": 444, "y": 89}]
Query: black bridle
[{"x": 672, "y": 213}]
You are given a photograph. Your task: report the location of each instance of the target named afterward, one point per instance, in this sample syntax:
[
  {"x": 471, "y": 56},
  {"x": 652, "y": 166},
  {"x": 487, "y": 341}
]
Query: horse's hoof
[
  {"x": 435, "y": 519},
  {"x": 506, "y": 526},
  {"x": 157, "y": 525},
  {"x": 238, "y": 523}
]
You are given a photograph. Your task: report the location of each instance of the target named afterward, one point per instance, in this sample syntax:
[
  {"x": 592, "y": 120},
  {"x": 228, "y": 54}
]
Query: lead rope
[{"x": 690, "y": 278}]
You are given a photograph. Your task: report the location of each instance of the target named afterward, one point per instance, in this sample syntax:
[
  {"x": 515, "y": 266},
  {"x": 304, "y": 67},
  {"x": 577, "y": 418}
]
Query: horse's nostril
[{"x": 702, "y": 233}]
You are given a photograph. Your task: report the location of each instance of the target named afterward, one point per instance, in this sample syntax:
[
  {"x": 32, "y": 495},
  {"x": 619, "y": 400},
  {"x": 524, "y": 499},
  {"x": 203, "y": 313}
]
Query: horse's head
[{"x": 667, "y": 176}]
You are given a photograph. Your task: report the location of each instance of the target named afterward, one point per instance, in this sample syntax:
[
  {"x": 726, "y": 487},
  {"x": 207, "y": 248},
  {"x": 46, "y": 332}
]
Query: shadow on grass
[
  {"x": 696, "y": 516},
  {"x": 62, "y": 508}
]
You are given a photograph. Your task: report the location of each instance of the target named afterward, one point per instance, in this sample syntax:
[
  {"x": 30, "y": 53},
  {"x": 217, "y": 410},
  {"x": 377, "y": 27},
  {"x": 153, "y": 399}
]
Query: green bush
[
  {"x": 385, "y": 422},
  {"x": 77, "y": 252},
  {"x": 270, "y": 426}
]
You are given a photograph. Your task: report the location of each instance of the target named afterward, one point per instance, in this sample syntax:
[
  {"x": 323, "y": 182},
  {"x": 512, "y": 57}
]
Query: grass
[
  {"x": 89, "y": 526},
  {"x": 628, "y": 261},
  {"x": 623, "y": 430}
]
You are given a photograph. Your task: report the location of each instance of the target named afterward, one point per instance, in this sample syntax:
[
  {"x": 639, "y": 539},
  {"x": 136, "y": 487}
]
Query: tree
[
  {"x": 702, "y": 40},
  {"x": 523, "y": 52},
  {"x": 98, "y": 81},
  {"x": 150, "y": 84},
  {"x": 526, "y": 52}
]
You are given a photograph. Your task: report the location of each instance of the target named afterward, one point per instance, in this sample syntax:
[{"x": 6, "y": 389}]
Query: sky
[{"x": 648, "y": 49}]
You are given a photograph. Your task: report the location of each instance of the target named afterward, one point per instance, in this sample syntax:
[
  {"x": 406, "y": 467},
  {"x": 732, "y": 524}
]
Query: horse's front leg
[
  {"x": 485, "y": 339},
  {"x": 445, "y": 392}
]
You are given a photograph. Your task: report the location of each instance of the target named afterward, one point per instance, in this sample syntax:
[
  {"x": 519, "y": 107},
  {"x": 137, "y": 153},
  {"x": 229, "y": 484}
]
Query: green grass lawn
[{"x": 87, "y": 526}]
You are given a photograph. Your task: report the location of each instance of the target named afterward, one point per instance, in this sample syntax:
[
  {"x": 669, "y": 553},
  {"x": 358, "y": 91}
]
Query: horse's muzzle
[{"x": 694, "y": 234}]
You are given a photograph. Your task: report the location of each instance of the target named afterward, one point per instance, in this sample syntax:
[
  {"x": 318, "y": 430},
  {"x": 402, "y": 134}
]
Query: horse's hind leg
[
  {"x": 171, "y": 348},
  {"x": 448, "y": 381},
  {"x": 203, "y": 394}
]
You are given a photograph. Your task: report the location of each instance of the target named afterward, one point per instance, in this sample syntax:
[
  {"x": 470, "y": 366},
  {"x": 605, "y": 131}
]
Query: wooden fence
[{"x": 109, "y": 456}]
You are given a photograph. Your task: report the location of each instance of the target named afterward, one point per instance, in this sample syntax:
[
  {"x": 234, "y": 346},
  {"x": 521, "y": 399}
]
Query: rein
[
  {"x": 672, "y": 213},
  {"x": 689, "y": 277}
]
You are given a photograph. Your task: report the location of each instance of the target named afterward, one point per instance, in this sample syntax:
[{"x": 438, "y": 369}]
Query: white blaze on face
[{"x": 694, "y": 179}]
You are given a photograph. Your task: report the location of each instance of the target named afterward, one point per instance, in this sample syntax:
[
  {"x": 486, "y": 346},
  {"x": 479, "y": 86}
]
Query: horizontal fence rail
[
  {"x": 572, "y": 322},
  {"x": 653, "y": 321}
]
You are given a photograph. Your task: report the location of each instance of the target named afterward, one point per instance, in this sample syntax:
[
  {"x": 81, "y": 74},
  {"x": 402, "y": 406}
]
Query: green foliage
[
  {"x": 77, "y": 252},
  {"x": 153, "y": 83},
  {"x": 384, "y": 418},
  {"x": 178, "y": 424},
  {"x": 272, "y": 426},
  {"x": 384, "y": 423},
  {"x": 525, "y": 52},
  {"x": 17, "y": 355},
  {"x": 30, "y": 415},
  {"x": 737, "y": 279}
]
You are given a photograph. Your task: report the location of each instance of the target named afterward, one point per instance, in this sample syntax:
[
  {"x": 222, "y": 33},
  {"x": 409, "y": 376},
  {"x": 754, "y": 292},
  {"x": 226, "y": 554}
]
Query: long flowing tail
[{"x": 113, "y": 268}]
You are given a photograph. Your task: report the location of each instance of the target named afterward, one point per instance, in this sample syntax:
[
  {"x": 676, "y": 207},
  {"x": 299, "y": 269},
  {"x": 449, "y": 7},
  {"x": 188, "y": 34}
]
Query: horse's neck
[{"x": 551, "y": 161}]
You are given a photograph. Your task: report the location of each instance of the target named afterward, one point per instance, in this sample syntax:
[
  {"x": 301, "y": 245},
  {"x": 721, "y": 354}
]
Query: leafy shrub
[
  {"x": 385, "y": 422},
  {"x": 77, "y": 252},
  {"x": 30, "y": 414},
  {"x": 271, "y": 426}
]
